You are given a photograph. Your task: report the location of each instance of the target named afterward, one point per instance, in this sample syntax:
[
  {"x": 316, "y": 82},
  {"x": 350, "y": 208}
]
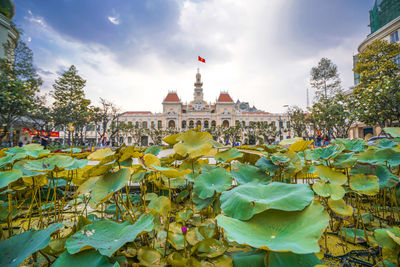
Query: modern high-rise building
[{"x": 8, "y": 34}]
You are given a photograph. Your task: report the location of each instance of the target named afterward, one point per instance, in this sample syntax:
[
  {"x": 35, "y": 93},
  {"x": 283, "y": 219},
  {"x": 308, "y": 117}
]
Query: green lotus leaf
[
  {"x": 355, "y": 145},
  {"x": 32, "y": 150},
  {"x": 388, "y": 155},
  {"x": 210, "y": 248},
  {"x": 194, "y": 236},
  {"x": 223, "y": 261},
  {"x": 267, "y": 165},
  {"x": 324, "y": 153},
  {"x": 276, "y": 230},
  {"x": 335, "y": 191},
  {"x": 393, "y": 131},
  {"x": 334, "y": 177},
  {"x": 172, "y": 139},
  {"x": 100, "y": 154},
  {"x": 217, "y": 180},
  {"x": 160, "y": 205},
  {"x": 386, "y": 143},
  {"x": 394, "y": 234},
  {"x": 155, "y": 150},
  {"x": 171, "y": 172},
  {"x": 109, "y": 183},
  {"x": 48, "y": 164},
  {"x": 137, "y": 177},
  {"x": 244, "y": 201},
  {"x": 245, "y": 173},
  {"x": 183, "y": 215},
  {"x": 15, "y": 250},
  {"x": 175, "y": 236},
  {"x": 367, "y": 156},
  {"x": 349, "y": 234},
  {"x": 73, "y": 150},
  {"x": 108, "y": 236},
  {"x": 386, "y": 178},
  {"x": 383, "y": 238},
  {"x": 344, "y": 160},
  {"x": 149, "y": 257},
  {"x": 208, "y": 228},
  {"x": 176, "y": 259},
  {"x": 195, "y": 144},
  {"x": 173, "y": 182},
  {"x": 150, "y": 196},
  {"x": 6, "y": 160},
  {"x": 8, "y": 177},
  {"x": 300, "y": 145},
  {"x": 365, "y": 184},
  {"x": 340, "y": 207},
  {"x": 78, "y": 164},
  {"x": 83, "y": 259},
  {"x": 228, "y": 155},
  {"x": 386, "y": 263},
  {"x": 277, "y": 259},
  {"x": 279, "y": 159},
  {"x": 363, "y": 168},
  {"x": 290, "y": 141},
  {"x": 217, "y": 144}
]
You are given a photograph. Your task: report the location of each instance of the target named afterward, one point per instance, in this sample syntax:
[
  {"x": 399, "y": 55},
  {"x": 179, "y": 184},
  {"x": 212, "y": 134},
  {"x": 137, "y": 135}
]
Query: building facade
[
  {"x": 385, "y": 25},
  {"x": 198, "y": 112}
]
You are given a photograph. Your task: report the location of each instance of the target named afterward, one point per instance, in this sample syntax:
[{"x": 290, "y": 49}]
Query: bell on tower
[
  {"x": 198, "y": 83},
  {"x": 198, "y": 88}
]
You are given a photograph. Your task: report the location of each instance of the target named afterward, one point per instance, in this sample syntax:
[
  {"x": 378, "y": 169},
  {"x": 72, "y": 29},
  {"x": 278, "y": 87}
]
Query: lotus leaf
[
  {"x": 355, "y": 145},
  {"x": 78, "y": 164},
  {"x": 228, "y": 155},
  {"x": 335, "y": 191},
  {"x": 161, "y": 205},
  {"x": 334, "y": 177},
  {"x": 290, "y": 141},
  {"x": 176, "y": 259},
  {"x": 150, "y": 160},
  {"x": 393, "y": 131},
  {"x": 349, "y": 233},
  {"x": 8, "y": 177},
  {"x": 295, "y": 231},
  {"x": 245, "y": 173},
  {"x": 48, "y": 164},
  {"x": 150, "y": 196},
  {"x": 87, "y": 186},
  {"x": 386, "y": 178},
  {"x": 345, "y": 160},
  {"x": 210, "y": 248},
  {"x": 83, "y": 259},
  {"x": 194, "y": 144},
  {"x": 155, "y": 150},
  {"x": 386, "y": 143},
  {"x": 108, "y": 184},
  {"x": 367, "y": 156},
  {"x": 208, "y": 183},
  {"x": 201, "y": 203},
  {"x": 365, "y": 184},
  {"x": 171, "y": 172},
  {"x": 149, "y": 257},
  {"x": 97, "y": 170},
  {"x": 172, "y": 139},
  {"x": 183, "y": 215},
  {"x": 108, "y": 236},
  {"x": 394, "y": 234},
  {"x": 340, "y": 207},
  {"x": 193, "y": 236},
  {"x": 5, "y": 160},
  {"x": 279, "y": 159},
  {"x": 244, "y": 201},
  {"x": 173, "y": 182},
  {"x": 100, "y": 154},
  {"x": 32, "y": 150},
  {"x": 175, "y": 236},
  {"x": 266, "y": 165},
  {"x": 73, "y": 150},
  {"x": 15, "y": 250},
  {"x": 324, "y": 153},
  {"x": 300, "y": 145},
  {"x": 384, "y": 239},
  {"x": 389, "y": 155}
]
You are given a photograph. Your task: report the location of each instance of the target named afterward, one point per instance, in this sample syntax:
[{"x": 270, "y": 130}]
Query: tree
[
  {"x": 325, "y": 79},
  {"x": 377, "y": 95},
  {"x": 19, "y": 85},
  {"x": 70, "y": 105},
  {"x": 298, "y": 121},
  {"x": 105, "y": 118},
  {"x": 233, "y": 134}
]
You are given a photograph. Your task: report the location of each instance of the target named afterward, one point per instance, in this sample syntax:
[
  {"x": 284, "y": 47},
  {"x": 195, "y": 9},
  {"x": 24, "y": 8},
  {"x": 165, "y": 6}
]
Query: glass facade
[{"x": 383, "y": 12}]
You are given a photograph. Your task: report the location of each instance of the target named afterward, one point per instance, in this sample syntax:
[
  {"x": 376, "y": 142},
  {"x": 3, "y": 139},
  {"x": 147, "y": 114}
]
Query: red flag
[{"x": 201, "y": 59}]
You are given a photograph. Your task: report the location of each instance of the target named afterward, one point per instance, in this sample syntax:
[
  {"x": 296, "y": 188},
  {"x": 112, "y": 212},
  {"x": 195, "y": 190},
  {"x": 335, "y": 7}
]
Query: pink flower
[{"x": 184, "y": 229}]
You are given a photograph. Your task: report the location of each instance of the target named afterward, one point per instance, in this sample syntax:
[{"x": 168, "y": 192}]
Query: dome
[{"x": 7, "y": 8}]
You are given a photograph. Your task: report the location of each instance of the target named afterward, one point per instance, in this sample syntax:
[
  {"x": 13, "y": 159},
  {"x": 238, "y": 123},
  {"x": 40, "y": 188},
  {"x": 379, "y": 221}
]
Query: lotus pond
[{"x": 204, "y": 204}]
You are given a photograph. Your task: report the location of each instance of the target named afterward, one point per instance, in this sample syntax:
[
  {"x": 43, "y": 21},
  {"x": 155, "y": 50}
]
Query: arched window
[
  {"x": 213, "y": 124},
  {"x": 183, "y": 124},
  {"x": 198, "y": 123},
  {"x": 206, "y": 124},
  {"x": 171, "y": 124},
  {"x": 144, "y": 124},
  {"x": 225, "y": 124},
  {"x": 191, "y": 124}
]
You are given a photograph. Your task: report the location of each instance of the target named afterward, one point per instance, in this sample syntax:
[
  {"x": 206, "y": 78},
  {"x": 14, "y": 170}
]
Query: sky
[{"x": 134, "y": 52}]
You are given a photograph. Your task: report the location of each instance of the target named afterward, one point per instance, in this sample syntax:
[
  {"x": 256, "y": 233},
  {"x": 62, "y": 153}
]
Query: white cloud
[
  {"x": 242, "y": 43},
  {"x": 114, "y": 20}
]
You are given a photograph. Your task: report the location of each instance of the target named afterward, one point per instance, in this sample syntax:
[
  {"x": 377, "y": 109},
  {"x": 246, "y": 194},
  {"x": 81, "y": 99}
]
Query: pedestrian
[
  {"x": 44, "y": 139},
  {"x": 319, "y": 140}
]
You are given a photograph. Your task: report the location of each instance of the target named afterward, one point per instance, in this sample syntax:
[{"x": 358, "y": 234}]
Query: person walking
[{"x": 44, "y": 139}]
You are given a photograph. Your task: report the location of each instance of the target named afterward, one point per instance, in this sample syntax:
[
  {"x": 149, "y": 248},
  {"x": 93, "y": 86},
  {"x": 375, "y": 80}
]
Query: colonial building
[
  {"x": 385, "y": 25},
  {"x": 198, "y": 112}
]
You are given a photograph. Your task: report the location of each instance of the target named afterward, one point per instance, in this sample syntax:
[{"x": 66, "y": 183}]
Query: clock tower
[{"x": 198, "y": 89}]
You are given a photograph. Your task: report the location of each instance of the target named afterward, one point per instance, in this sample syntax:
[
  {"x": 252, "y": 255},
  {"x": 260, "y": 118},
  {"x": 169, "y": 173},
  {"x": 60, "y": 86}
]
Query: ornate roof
[
  {"x": 225, "y": 97},
  {"x": 172, "y": 97},
  {"x": 137, "y": 112}
]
